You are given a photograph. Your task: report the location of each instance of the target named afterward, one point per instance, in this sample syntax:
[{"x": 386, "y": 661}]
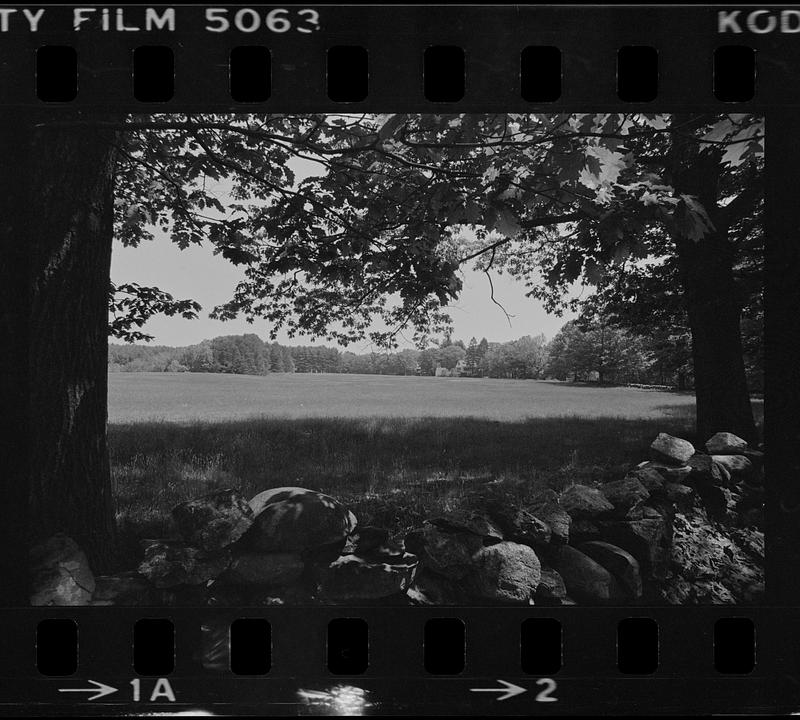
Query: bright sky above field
[{"x": 210, "y": 280}]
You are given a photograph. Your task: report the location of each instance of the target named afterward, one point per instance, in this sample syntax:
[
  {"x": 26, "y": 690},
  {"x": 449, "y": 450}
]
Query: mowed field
[
  {"x": 396, "y": 450},
  {"x": 213, "y": 397}
]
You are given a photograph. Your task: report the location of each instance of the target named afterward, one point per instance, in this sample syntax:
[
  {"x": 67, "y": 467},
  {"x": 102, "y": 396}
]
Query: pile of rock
[
  {"x": 681, "y": 527},
  {"x": 284, "y": 545}
]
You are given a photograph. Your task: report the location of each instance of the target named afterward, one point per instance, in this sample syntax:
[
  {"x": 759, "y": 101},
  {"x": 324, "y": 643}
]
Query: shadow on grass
[{"x": 390, "y": 471}]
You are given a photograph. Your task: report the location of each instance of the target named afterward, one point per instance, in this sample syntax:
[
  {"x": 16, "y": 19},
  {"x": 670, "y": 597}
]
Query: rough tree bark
[
  {"x": 15, "y": 239},
  {"x": 713, "y": 301},
  {"x": 71, "y": 173}
]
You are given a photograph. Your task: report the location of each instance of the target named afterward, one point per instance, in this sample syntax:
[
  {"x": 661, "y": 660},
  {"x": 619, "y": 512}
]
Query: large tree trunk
[
  {"x": 15, "y": 300},
  {"x": 723, "y": 400},
  {"x": 71, "y": 190},
  {"x": 713, "y": 302}
]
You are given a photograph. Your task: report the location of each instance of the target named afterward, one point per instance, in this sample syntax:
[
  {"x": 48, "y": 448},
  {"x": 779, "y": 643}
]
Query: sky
[{"x": 210, "y": 280}]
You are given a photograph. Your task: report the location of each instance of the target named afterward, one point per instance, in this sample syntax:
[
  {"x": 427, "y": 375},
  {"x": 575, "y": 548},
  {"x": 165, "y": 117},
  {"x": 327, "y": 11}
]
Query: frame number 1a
[{"x": 161, "y": 692}]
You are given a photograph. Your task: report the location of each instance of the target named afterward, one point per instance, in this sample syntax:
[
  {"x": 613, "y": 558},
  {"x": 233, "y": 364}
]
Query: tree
[
  {"x": 527, "y": 356},
  {"x": 400, "y": 203},
  {"x": 471, "y": 359},
  {"x": 450, "y": 355},
  {"x": 428, "y": 362}
]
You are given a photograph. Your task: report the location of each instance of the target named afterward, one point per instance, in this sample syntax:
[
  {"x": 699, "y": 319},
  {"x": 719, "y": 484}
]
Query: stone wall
[{"x": 684, "y": 526}]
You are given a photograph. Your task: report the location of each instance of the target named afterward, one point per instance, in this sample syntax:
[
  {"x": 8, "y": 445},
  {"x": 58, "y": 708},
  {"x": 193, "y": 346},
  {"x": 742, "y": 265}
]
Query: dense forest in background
[{"x": 580, "y": 351}]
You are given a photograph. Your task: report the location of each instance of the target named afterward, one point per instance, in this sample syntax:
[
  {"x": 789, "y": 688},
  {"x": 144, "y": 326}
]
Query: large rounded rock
[
  {"x": 292, "y": 519},
  {"x": 670, "y": 473},
  {"x": 706, "y": 471},
  {"x": 272, "y": 569},
  {"x": 725, "y": 443},
  {"x": 736, "y": 465},
  {"x": 505, "y": 572},
  {"x": 551, "y": 589},
  {"x": 353, "y": 578},
  {"x": 582, "y": 529},
  {"x": 624, "y": 494},
  {"x": 649, "y": 477},
  {"x": 168, "y": 563},
  {"x": 582, "y": 501},
  {"x": 546, "y": 507},
  {"x": 429, "y": 588},
  {"x": 448, "y": 553},
  {"x": 618, "y": 562},
  {"x": 585, "y": 579},
  {"x": 60, "y": 573},
  {"x": 681, "y": 495},
  {"x": 720, "y": 502},
  {"x": 704, "y": 552},
  {"x": 671, "y": 450},
  {"x": 470, "y": 521},
  {"x": 213, "y": 521},
  {"x": 648, "y": 540},
  {"x": 368, "y": 538},
  {"x": 524, "y": 527}
]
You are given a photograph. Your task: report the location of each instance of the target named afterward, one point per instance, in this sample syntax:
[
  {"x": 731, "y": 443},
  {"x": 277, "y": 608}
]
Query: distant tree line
[{"x": 584, "y": 350}]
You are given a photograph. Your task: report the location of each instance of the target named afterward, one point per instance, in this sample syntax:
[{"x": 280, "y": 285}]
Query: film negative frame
[{"x": 395, "y": 38}]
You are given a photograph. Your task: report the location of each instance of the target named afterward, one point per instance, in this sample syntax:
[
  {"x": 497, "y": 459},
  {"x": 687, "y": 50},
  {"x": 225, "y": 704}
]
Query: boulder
[
  {"x": 169, "y": 563},
  {"x": 524, "y": 527},
  {"x": 670, "y": 473},
  {"x": 551, "y": 589},
  {"x": 471, "y": 522},
  {"x": 681, "y": 495},
  {"x": 272, "y": 569},
  {"x": 505, "y": 572},
  {"x": 635, "y": 512},
  {"x": 546, "y": 507},
  {"x": 368, "y": 537},
  {"x": 585, "y": 579},
  {"x": 557, "y": 519},
  {"x": 706, "y": 471},
  {"x": 353, "y": 578},
  {"x": 702, "y": 553},
  {"x": 720, "y": 502},
  {"x": 696, "y": 592},
  {"x": 624, "y": 494},
  {"x": 618, "y": 562},
  {"x": 428, "y": 588},
  {"x": 671, "y": 450},
  {"x": 647, "y": 540},
  {"x": 292, "y": 519},
  {"x": 126, "y": 588},
  {"x": 650, "y": 512},
  {"x": 736, "y": 465},
  {"x": 213, "y": 521},
  {"x": 725, "y": 443},
  {"x": 648, "y": 476},
  {"x": 751, "y": 541},
  {"x": 582, "y": 501},
  {"x": 582, "y": 529},
  {"x": 60, "y": 573},
  {"x": 448, "y": 553}
]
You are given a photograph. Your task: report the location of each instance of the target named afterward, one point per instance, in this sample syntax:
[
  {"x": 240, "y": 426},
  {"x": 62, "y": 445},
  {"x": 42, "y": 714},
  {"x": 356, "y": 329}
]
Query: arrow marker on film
[
  {"x": 99, "y": 689},
  {"x": 510, "y": 690}
]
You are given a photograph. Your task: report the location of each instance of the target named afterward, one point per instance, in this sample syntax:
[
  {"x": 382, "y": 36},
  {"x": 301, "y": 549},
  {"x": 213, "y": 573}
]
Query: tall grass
[{"x": 391, "y": 471}]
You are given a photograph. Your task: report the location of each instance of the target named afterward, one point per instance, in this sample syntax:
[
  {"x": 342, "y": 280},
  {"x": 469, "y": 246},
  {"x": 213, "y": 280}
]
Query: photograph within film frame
[{"x": 420, "y": 353}]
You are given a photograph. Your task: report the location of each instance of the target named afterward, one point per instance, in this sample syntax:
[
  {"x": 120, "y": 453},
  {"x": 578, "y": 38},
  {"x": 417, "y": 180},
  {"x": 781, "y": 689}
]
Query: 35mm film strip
[{"x": 399, "y": 359}]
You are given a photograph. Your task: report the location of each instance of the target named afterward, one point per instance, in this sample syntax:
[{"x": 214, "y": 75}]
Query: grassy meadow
[{"x": 395, "y": 449}]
